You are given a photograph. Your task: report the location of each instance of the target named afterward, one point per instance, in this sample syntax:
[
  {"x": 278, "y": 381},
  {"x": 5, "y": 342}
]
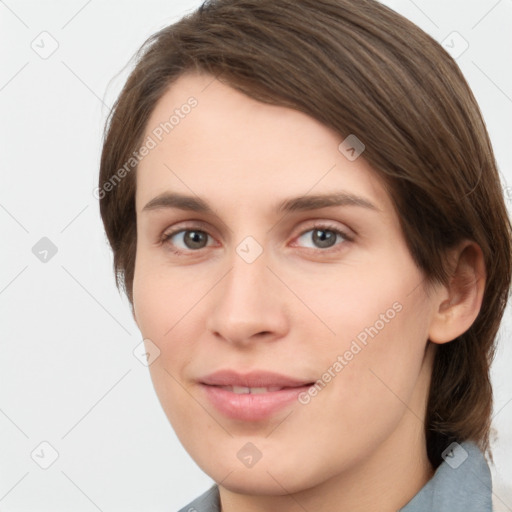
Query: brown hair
[{"x": 359, "y": 68}]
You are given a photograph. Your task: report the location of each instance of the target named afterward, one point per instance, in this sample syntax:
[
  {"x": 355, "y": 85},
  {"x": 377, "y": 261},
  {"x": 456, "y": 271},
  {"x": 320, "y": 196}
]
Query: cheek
[
  {"x": 149, "y": 304},
  {"x": 161, "y": 298},
  {"x": 370, "y": 365},
  {"x": 162, "y": 317},
  {"x": 167, "y": 307}
]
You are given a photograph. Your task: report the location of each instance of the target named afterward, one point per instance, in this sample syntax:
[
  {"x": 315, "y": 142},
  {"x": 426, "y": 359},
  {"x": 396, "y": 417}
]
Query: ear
[{"x": 459, "y": 301}]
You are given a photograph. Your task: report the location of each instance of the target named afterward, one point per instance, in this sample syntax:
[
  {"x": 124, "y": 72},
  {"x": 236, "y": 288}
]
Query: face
[{"x": 267, "y": 259}]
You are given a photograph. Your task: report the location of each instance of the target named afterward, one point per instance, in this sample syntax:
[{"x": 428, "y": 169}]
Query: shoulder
[
  {"x": 209, "y": 501},
  {"x": 462, "y": 483}
]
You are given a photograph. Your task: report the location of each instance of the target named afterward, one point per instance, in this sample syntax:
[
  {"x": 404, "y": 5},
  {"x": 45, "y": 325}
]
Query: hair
[{"x": 359, "y": 68}]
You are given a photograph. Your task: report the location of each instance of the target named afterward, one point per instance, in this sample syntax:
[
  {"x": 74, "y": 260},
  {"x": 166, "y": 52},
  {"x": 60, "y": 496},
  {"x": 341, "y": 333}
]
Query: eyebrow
[{"x": 294, "y": 204}]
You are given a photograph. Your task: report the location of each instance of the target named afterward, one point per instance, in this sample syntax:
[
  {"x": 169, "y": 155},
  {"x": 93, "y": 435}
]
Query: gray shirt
[{"x": 462, "y": 483}]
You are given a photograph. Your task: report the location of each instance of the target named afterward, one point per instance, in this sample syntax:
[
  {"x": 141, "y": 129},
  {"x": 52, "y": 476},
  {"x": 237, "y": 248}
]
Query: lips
[
  {"x": 253, "y": 379},
  {"x": 253, "y": 396}
]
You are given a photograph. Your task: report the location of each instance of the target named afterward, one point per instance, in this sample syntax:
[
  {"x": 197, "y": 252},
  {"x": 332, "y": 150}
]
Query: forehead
[{"x": 230, "y": 145}]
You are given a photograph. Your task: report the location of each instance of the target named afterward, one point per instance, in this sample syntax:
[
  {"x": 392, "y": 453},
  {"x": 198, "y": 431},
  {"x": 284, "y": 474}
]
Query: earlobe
[{"x": 461, "y": 299}]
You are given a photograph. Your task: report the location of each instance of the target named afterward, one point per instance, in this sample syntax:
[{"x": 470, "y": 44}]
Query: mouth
[
  {"x": 255, "y": 379},
  {"x": 255, "y": 396},
  {"x": 242, "y": 390}
]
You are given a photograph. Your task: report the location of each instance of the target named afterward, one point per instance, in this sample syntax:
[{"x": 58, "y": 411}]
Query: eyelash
[{"x": 319, "y": 227}]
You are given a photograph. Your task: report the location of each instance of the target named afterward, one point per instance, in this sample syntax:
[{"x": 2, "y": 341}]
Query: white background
[{"x": 68, "y": 373}]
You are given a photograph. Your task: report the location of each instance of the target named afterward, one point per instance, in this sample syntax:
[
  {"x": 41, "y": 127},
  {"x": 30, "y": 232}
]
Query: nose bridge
[
  {"x": 248, "y": 278},
  {"x": 246, "y": 302}
]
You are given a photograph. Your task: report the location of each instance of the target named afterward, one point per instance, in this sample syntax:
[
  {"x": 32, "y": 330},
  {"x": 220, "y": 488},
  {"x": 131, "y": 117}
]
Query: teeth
[
  {"x": 239, "y": 390},
  {"x": 242, "y": 390},
  {"x": 255, "y": 391}
]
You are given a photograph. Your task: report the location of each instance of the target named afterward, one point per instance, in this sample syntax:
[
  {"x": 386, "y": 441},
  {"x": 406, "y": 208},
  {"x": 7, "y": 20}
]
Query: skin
[{"x": 293, "y": 310}]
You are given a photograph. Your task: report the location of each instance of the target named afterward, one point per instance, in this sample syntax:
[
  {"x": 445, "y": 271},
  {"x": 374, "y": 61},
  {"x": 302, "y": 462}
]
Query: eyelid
[
  {"x": 191, "y": 225},
  {"x": 328, "y": 225}
]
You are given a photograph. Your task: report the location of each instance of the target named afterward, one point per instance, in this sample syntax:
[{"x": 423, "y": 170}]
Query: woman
[{"x": 306, "y": 216}]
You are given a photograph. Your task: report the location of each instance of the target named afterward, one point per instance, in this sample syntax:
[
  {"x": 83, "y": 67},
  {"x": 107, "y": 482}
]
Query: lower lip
[{"x": 251, "y": 407}]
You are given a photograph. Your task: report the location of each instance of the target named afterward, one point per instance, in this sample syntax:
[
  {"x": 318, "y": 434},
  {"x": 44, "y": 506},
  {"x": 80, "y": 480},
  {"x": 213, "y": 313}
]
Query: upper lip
[{"x": 253, "y": 379}]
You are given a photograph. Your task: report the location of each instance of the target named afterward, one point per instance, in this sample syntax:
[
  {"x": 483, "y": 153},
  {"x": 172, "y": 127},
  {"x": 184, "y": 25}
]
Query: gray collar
[{"x": 462, "y": 483}]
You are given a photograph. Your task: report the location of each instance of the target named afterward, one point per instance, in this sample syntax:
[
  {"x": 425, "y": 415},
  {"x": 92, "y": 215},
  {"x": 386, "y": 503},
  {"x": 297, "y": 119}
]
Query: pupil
[
  {"x": 324, "y": 241},
  {"x": 193, "y": 238}
]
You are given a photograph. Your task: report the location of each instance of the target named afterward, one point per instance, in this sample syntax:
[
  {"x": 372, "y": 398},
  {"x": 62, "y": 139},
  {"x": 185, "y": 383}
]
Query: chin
[
  {"x": 271, "y": 477},
  {"x": 245, "y": 481}
]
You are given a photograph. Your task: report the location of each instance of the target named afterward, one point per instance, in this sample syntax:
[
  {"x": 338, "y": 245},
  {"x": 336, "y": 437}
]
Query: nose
[{"x": 249, "y": 304}]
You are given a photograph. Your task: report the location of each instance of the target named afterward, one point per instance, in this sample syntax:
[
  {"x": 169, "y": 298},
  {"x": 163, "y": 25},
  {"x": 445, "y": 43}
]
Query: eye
[
  {"x": 324, "y": 237},
  {"x": 186, "y": 240}
]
